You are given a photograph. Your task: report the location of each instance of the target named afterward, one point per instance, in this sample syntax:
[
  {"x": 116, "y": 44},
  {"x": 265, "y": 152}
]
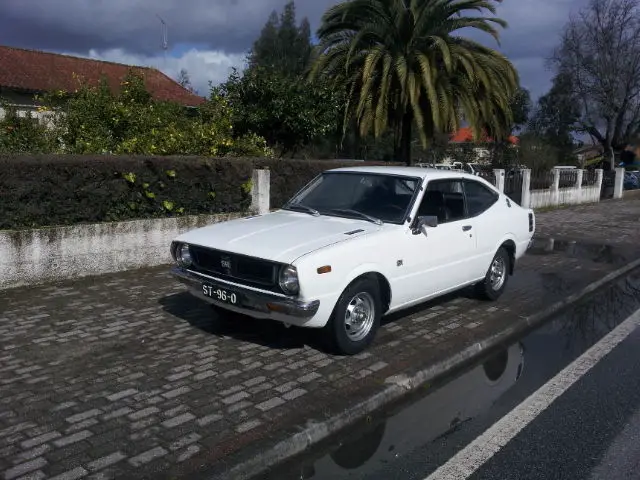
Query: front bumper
[{"x": 252, "y": 302}]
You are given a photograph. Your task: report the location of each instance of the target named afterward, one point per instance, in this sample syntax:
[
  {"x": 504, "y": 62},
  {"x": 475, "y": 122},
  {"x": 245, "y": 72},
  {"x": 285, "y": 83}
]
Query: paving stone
[
  {"x": 293, "y": 394},
  {"x": 236, "y": 397},
  {"x": 206, "y": 420},
  {"x": 76, "y": 437},
  {"x": 107, "y": 461},
  {"x": 145, "y": 412},
  {"x": 44, "y": 438},
  {"x": 74, "y": 474},
  {"x": 122, "y": 394},
  {"x": 25, "y": 468},
  {"x": 148, "y": 456},
  {"x": 179, "y": 420},
  {"x": 84, "y": 415},
  {"x": 269, "y": 404}
]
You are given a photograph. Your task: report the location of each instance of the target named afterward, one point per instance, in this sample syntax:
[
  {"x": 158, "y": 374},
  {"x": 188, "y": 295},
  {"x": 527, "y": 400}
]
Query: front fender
[{"x": 361, "y": 270}]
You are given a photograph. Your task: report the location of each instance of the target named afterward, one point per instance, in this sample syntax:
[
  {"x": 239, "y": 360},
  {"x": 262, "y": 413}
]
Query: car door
[
  {"x": 438, "y": 261},
  {"x": 489, "y": 222}
]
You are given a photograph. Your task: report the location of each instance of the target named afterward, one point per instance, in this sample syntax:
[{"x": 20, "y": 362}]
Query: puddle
[
  {"x": 433, "y": 427},
  {"x": 598, "y": 253}
]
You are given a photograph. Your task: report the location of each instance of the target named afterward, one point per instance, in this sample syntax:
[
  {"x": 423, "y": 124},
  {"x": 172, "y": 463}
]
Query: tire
[
  {"x": 496, "y": 278},
  {"x": 364, "y": 295}
]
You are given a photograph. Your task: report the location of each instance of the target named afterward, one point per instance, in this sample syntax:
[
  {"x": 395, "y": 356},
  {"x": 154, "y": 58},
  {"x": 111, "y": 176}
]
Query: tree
[
  {"x": 288, "y": 113},
  {"x": 556, "y": 116},
  {"x": 520, "y": 108},
  {"x": 283, "y": 45},
  {"x": 185, "y": 81},
  {"x": 536, "y": 153},
  {"x": 404, "y": 63},
  {"x": 600, "y": 56}
]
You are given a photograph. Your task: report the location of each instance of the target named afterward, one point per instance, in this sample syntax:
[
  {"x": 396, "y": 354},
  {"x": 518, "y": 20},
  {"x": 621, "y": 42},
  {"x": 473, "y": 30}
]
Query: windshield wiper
[
  {"x": 304, "y": 208},
  {"x": 348, "y": 211}
]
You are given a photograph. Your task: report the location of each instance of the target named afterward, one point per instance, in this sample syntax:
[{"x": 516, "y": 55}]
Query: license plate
[{"x": 220, "y": 294}]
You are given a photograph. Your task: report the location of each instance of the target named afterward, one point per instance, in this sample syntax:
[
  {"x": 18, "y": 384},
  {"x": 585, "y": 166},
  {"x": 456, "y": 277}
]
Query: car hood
[{"x": 281, "y": 236}]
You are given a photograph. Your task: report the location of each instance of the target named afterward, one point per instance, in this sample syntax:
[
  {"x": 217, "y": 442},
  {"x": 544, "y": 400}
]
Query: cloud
[
  {"x": 130, "y": 31},
  {"x": 79, "y": 25},
  {"x": 203, "y": 66}
]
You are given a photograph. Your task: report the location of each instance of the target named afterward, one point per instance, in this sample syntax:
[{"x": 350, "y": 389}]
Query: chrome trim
[
  {"x": 256, "y": 299},
  {"x": 234, "y": 284}
]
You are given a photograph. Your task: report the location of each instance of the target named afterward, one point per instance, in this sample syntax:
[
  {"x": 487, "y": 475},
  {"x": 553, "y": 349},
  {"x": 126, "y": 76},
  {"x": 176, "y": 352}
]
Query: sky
[{"x": 209, "y": 37}]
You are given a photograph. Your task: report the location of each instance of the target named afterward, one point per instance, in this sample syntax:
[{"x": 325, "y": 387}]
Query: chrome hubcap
[
  {"x": 498, "y": 273},
  {"x": 358, "y": 318}
]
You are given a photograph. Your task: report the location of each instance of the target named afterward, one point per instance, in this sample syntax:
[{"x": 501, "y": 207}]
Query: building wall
[{"x": 24, "y": 103}]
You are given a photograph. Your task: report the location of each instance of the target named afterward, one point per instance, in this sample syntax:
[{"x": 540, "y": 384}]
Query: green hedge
[
  {"x": 62, "y": 190},
  {"x": 47, "y": 190}
]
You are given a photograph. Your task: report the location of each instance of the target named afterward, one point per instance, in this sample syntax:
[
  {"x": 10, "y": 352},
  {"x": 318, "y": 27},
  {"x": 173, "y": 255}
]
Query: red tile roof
[
  {"x": 465, "y": 135},
  {"x": 36, "y": 71}
]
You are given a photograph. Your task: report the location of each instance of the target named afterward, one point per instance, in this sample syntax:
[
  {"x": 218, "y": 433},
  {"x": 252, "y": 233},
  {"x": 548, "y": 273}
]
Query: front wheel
[
  {"x": 356, "y": 317},
  {"x": 496, "y": 278}
]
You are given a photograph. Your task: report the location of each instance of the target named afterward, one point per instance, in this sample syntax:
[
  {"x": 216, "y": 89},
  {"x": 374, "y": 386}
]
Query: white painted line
[{"x": 473, "y": 456}]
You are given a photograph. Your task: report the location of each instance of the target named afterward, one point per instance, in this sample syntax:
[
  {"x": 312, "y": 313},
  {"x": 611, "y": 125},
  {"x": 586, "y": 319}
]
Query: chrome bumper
[{"x": 250, "y": 301}]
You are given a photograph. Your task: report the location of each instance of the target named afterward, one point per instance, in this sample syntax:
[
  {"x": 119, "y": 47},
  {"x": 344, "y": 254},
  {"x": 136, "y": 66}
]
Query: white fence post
[
  {"x": 499, "y": 174},
  {"x": 260, "y": 191},
  {"x": 578, "y": 188},
  {"x": 555, "y": 187},
  {"x": 599, "y": 178},
  {"x": 526, "y": 188},
  {"x": 618, "y": 186}
]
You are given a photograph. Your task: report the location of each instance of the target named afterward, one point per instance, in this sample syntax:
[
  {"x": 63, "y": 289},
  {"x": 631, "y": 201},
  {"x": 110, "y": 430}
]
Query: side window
[
  {"x": 443, "y": 199},
  {"x": 479, "y": 197}
]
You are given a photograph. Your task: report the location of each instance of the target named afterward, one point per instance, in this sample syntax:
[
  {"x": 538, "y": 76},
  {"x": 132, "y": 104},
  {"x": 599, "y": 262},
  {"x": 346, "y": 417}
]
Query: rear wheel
[
  {"x": 496, "y": 278},
  {"x": 356, "y": 317}
]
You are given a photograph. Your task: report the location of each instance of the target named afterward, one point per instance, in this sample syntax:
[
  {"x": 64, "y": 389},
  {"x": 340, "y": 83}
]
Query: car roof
[{"x": 421, "y": 172}]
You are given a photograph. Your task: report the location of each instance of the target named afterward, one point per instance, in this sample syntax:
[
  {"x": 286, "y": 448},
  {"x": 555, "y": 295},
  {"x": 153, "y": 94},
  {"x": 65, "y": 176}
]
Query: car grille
[{"x": 250, "y": 271}]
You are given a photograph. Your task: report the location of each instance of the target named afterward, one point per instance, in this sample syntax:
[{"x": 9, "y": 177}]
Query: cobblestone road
[{"x": 123, "y": 375}]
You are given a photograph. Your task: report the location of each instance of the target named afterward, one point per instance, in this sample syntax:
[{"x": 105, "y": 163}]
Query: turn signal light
[{"x": 325, "y": 269}]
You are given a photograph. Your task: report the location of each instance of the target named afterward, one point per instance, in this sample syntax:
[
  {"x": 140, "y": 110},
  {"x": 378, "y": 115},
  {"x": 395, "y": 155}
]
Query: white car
[{"x": 356, "y": 244}]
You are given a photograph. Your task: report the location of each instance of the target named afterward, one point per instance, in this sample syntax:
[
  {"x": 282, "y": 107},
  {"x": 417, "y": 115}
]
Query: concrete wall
[
  {"x": 30, "y": 257},
  {"x": 564, "y": 196},
  {"x": 555, "y": 196}
]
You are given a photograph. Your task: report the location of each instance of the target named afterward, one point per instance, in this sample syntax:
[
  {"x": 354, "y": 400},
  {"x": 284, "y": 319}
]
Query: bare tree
[
  {"x": 185, "y": 80},
  {"x": 600, "y": 53}
]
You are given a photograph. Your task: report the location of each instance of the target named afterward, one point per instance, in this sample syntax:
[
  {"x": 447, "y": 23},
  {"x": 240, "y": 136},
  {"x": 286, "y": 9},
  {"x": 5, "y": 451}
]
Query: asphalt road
[
  {"x": 590, "y": 432},
  {"x": 588, "y": 428}
]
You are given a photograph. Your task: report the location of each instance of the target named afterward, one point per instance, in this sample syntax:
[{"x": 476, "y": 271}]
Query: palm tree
[{"x": 403, "y": 64}]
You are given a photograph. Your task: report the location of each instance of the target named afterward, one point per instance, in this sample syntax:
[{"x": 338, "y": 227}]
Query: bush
[
  {"x": 48, "y": 190},
  {"x": 289, "y": 176},
  {"x": 97, "y": 120},
  {"x": 23, "y": 134}
]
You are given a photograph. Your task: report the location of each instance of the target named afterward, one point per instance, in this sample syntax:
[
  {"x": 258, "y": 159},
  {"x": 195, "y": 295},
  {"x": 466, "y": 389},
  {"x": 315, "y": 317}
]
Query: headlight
[
  {"x": 183, "y": 255},
  {"x": 289, "y": 280}
]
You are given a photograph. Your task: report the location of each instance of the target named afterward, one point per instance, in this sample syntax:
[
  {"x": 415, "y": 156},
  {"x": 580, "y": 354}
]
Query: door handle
[{"x": 466, "y": 228}]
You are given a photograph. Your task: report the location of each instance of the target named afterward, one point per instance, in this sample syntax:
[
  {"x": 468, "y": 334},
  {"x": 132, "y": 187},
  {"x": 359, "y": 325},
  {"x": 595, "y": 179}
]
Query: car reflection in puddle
[{"x": 438, "y": 414}]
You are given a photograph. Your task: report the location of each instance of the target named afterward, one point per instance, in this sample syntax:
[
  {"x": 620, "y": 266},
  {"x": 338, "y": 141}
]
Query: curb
[{"x": 401, "y": 385}]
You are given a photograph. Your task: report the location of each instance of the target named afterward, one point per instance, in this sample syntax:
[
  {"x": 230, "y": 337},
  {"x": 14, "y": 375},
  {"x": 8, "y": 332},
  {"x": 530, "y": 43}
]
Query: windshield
[{"x": 358, "y": 195}]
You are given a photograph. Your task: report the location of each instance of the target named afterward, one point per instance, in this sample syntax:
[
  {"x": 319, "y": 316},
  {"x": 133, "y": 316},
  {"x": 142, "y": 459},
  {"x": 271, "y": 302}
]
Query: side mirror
[{"x": 424, "y": 222}]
